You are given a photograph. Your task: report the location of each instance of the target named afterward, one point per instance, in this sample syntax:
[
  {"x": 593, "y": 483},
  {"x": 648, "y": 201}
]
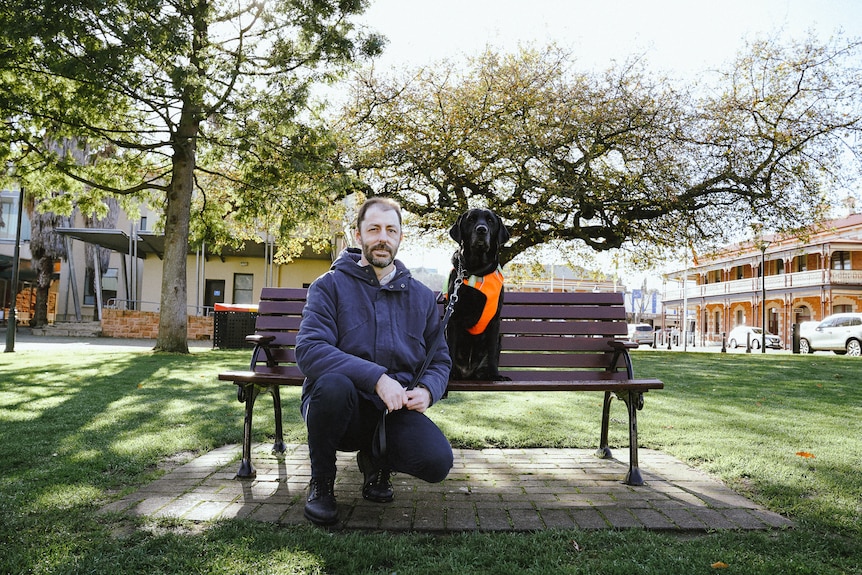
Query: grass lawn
[{"x": 80, "y": 430}]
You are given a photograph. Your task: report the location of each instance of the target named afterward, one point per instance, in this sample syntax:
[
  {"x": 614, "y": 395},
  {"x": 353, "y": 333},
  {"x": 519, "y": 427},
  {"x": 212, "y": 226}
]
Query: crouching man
[{"x": 366, "y": 329}]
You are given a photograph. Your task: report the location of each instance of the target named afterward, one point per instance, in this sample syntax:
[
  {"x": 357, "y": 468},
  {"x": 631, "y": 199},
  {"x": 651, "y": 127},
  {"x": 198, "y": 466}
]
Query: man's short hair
[{"x": 382, "y": 203}]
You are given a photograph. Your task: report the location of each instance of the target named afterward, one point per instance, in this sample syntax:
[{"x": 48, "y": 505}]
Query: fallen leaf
[
  {"x": 805, "y": 454},
  {"x": 576, "y": 546},
  {"x": 720, "y": 565}
]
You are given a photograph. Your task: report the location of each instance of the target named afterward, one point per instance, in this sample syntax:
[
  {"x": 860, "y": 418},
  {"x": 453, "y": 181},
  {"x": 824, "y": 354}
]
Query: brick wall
[{"x": 145, "y": 324}]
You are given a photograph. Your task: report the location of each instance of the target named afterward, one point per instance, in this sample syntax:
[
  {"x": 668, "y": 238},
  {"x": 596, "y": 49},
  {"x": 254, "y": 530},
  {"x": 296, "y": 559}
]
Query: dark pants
[{"x": 339, "y": 418}]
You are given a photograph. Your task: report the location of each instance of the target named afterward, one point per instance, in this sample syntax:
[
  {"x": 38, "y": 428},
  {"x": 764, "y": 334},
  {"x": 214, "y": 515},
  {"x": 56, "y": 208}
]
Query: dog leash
[{"x": 378, "y": 444}]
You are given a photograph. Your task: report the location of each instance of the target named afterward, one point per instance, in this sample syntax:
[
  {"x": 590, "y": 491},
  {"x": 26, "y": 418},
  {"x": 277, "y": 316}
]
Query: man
[{"x": 366, "y": 329}]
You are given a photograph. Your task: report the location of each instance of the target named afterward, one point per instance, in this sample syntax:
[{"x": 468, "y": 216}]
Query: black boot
[
  {"x": 320, "y": 508},
  {"x": 377, "y": 486}
]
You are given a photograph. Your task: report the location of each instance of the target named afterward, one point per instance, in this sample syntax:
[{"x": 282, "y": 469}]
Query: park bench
[{"x": 551, "y": 342}]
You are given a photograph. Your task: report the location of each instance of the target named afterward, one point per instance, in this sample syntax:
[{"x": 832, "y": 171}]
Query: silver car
[
  {"x": 840, "y": 332},
  {"x": 642, "y": 334}
]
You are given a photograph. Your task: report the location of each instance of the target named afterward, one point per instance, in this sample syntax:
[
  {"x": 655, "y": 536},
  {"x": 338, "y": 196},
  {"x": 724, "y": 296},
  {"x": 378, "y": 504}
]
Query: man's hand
[
  {"x": 418, "y": 399},
  {"x": 391, "y": 392}
]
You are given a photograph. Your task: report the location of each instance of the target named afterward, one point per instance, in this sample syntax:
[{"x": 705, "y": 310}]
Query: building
[
  {"x": 805, "y": 279},
  {"x": 132, "y": 282}
]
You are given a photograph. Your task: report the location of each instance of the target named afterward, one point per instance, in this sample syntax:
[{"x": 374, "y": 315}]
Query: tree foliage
[
  {"x": 620, "y": 158},
  {"x": 197, "y": 106}
]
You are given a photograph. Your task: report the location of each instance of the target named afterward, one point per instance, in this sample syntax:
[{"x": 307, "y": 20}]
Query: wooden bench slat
[
  {"x": 599, "y": 329},
  {"x": 280, "y": 293},
  {"x": 555, "y": 385},
  {"x": 555, "y": 360},
  {"x": 562, "y": 312},
  {"x": 291, "y": 307},
  {"x": 573, "y": 298},
  {"x": 548, "y": 343},
  {"x": 277, "y": 322}
]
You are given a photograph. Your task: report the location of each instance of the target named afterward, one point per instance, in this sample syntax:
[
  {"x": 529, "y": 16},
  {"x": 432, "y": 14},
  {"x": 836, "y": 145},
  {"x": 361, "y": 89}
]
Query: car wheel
[
  {"x": 733, "y": 343},
  {"x": 804, "y": 346},
  {"x": 755, "y": 344},
  {"x": 854, "y": 348}
]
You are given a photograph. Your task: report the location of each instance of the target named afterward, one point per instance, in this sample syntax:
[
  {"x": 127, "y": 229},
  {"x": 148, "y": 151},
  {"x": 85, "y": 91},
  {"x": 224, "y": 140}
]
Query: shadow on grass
[{"x": 77, "y": 430}]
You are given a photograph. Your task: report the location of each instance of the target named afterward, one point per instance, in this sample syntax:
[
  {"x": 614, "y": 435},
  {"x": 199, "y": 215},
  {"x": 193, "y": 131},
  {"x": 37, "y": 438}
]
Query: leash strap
[{"x": 378, "y": 443}]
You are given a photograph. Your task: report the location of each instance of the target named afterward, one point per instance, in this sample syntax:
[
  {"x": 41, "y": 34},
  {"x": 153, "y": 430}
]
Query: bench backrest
[
  {"x": 546, "y": 336},
  {"x": 279, "y": 314},
  {"x": 562, "y": 336}
]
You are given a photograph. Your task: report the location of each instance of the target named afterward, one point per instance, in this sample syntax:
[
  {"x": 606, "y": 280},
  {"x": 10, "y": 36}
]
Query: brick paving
[{"x": 489, "y": 490}]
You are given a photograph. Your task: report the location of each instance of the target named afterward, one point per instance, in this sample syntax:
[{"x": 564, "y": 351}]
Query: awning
[{"x": 149, "y": 243}]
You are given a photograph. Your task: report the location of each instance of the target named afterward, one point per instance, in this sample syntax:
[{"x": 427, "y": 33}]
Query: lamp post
[
  {"x": 13, "y": 321},
  {"x": 761, "y": 244}
]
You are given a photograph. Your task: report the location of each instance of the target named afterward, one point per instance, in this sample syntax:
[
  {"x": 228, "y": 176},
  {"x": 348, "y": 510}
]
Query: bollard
[
  {"x": 795, "y": 338},
  {"x": 723, "y": 342},
  {"x": 748, "y": 342}
]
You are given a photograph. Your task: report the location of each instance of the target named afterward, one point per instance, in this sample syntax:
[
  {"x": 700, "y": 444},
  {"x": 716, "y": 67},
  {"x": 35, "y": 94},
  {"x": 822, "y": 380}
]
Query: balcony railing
[{"x": 778, "y": 282}]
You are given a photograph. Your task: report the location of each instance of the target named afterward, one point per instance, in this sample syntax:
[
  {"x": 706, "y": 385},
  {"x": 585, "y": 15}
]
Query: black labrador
[{"x": 473, "y": 331}]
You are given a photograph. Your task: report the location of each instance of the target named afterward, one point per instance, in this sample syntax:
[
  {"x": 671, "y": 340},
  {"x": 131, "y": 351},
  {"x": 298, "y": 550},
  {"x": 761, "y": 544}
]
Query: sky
[{"x": 680, "y": 38}]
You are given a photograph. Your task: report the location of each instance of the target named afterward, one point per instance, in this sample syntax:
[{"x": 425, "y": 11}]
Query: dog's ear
[
  {"x": 455, "y": 230},
  {"x": 502, "y": 232}
]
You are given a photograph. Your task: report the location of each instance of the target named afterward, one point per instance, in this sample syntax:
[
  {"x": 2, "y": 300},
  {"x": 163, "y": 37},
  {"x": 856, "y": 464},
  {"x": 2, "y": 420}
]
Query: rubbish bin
[{"x": 231, "y": 323}]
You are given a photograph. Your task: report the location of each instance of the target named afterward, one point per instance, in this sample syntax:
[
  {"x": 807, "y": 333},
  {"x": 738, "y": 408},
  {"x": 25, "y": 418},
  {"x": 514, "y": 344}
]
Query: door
[{"x": 214, "y": 293}]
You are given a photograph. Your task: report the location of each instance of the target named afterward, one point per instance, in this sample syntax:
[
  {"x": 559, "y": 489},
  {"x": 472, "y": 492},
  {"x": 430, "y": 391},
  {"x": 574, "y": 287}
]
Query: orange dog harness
[{"x": 491, "y": 286}]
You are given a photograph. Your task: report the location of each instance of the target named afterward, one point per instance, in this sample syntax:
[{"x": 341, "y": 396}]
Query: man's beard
[{"x": 378, "y": 262}]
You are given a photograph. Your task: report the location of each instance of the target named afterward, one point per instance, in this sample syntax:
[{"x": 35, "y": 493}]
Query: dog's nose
[{"x": 482, "y": 229}]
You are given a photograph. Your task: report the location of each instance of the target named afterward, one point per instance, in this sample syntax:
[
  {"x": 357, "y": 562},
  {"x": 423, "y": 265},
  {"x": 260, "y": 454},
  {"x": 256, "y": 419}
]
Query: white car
[
  {"x": 741, "y": 334},
  {"x": 840, "y": 332},
  {"x": 642, "y": 334}
]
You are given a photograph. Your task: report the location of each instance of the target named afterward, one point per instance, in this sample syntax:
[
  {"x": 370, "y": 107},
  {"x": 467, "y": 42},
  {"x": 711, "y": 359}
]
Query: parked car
[
  {"x": 642, "y": 334},
  {"x": 840, "y": 333},
  {"x": 739, "y": 335}
]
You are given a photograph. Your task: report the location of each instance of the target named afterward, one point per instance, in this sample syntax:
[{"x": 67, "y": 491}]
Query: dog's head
[{"x": 480, "y": 233}]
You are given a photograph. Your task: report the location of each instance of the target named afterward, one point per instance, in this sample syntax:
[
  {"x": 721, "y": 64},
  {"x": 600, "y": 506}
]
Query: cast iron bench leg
[
  {"x": 248, "y": 393},
  {"x": 604, "y": 450},
  {"x": 278, "y": 447},
  {"x": 634, "y": 401}
]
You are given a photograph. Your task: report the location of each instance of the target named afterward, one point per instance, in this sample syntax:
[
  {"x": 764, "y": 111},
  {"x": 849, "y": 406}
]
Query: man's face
[{"x": 379, "y": 234}]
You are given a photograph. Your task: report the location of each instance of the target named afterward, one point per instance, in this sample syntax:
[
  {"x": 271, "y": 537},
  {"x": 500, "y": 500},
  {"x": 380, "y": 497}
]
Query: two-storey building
[{"x": 805, "y": 279}]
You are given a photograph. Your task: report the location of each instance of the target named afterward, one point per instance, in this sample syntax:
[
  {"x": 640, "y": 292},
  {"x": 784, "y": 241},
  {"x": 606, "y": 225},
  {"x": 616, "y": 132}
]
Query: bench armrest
[
  {"x": 260, "y": 339},
  {"x": 261, "y": 342},
  {"x": 621, "y": 348}
]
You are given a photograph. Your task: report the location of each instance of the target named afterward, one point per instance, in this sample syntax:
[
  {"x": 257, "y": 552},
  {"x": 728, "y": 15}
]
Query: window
[
  {"x": 779, "y": 266},
  {"x": 800, "y": 263},
  {"x": 9, "y": 216},
  {"x": 717, "y": 322},
  {"x": 740, "y": 274},
  {"x": 845, "y": 308},
  {"x": 841, "y": 260},
  {"x": 110, "y": 284},
  {"x": 740, "y": 317},
  {"x": 243, "y": 288}
]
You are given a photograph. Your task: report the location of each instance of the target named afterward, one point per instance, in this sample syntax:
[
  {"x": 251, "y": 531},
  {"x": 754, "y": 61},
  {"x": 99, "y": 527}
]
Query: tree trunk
[
  {"x": 44, "y": 273},
  {"x": 173, "y": 318}
]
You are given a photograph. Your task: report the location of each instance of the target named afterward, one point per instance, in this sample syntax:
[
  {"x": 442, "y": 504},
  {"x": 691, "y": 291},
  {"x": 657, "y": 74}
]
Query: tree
[
  {"x": 612, "y": 159},
  {"x": 178, "y": 101}
]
